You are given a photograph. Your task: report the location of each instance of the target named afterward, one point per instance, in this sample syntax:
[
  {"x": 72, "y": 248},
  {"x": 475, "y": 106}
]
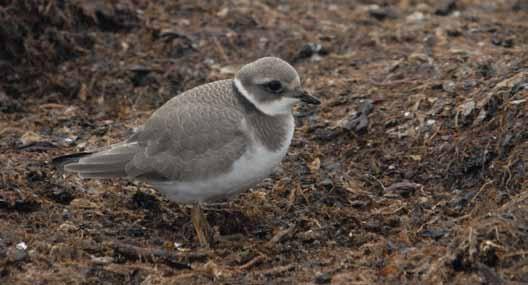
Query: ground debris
[
  {"x": 465, "y": 111},
  {"x": 404, "y": 188},
  {"x": 125, "y": 252},
  {"x": 357, "y": 121},
  {"x": 412, "y": 170},
  {"x": 281, "y": 235},
  {"x": 110, "y": 16},
  {"x": 8, "y": 104},
  {"x": 445, "y": 7},
  {"x": 311, "y": 51},
  {"x": 382, "y": 13}
]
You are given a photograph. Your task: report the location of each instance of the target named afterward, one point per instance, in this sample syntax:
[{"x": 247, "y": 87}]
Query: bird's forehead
[{"x": 272, "y": 69}]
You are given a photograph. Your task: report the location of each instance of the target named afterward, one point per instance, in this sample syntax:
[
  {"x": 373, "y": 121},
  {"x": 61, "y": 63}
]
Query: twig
[
  {"x": 523, "y": 253},
  {"x": 432, "y": 221},
  {"x": 280, "y": 235},
  {"x": 254, "y": 261},
  {"x": 392, "y": 83},
  {"x": 276, "y": 270},
  {"x": 480, "y": 190},
  {"x": 220, "y": 49},
  {"x": 156, "y": 255},
  {"x": 377, "y": 180},
  {"x": 291, "y": 197}
]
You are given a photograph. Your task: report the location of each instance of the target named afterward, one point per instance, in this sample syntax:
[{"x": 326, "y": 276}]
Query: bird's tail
[{"x": 110, "y": 162}]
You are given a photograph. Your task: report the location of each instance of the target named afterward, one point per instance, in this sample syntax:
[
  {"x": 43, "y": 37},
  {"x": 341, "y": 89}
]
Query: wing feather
[{"x": 194, "y": 135}]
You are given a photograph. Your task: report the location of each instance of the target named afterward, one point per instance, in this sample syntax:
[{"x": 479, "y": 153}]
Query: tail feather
[
  {"x": 110, "y": 158},
  {"x": 110, "y": 174},
  {"x": 104, "y": 164},
  {"x": 61, "y": 161},
  {"x": 82, "y": 166}
]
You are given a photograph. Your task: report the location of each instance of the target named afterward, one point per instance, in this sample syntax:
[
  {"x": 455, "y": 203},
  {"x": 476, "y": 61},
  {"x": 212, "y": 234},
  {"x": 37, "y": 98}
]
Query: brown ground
[{"x": 427, "y": 187}]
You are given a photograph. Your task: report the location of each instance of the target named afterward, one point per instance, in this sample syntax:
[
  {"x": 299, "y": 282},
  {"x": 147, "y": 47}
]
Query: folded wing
[{"x": 183, "y": 140}]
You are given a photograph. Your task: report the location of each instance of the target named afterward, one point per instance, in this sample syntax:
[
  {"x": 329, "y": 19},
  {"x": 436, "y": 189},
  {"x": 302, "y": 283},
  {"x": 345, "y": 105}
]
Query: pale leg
[{"x": 200, "y": 225}]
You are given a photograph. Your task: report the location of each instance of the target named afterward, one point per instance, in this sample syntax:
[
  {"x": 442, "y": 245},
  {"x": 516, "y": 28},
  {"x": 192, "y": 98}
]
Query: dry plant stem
[{"x": 200, "y": 225}]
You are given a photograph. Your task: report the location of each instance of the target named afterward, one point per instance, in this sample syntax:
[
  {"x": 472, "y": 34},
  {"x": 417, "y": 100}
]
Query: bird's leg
[{"x": 200, "y": 225}]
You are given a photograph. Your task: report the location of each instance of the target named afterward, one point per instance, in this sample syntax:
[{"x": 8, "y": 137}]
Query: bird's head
[{"x": 272, "y": 85}]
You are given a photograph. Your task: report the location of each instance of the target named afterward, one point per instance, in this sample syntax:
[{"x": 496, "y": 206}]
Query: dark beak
[{"x": 304, "y": 96}]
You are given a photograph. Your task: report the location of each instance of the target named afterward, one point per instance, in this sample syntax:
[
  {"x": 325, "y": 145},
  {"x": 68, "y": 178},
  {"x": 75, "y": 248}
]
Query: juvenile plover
[{"x": 210, "y": 142}]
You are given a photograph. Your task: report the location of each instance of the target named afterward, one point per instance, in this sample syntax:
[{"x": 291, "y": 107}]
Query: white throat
[{"x": 273, "y": 108}]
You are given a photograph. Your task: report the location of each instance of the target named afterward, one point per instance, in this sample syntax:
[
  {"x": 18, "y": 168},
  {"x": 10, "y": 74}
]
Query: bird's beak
[{"x": 304, "y": 96}]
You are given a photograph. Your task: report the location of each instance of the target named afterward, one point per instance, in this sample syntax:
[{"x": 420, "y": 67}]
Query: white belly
[{"x": 253, "y": 166}]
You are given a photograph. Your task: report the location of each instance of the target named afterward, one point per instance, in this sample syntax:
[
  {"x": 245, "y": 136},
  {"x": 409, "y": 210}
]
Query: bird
[{"x": 210, "y": 142}]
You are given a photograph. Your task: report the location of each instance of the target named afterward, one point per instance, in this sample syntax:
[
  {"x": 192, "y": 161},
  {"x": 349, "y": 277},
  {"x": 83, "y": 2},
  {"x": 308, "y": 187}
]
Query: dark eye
[{"x": 274, "y": 86}]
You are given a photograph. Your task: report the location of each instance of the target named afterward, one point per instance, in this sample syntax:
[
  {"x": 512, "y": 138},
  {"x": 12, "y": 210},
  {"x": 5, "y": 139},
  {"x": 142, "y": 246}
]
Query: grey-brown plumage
[
  {"x": 175, "y": 143},
  {"x": 226, "y": 134}
]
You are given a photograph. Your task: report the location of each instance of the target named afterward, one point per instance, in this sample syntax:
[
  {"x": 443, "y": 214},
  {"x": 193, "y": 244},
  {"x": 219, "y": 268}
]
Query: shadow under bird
[{"x": 210, "y": 142}]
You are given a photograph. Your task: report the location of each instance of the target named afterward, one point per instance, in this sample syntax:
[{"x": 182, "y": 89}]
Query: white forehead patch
[{"x": 271, "y": 108}]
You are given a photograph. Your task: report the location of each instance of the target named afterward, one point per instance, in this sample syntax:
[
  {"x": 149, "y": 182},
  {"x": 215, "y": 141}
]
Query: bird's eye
[{"x": 274, "y": 86}]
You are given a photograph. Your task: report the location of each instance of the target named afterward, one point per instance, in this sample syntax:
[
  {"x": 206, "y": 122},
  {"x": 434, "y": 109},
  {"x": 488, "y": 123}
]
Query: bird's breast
[{"x": 254, "y": 165}]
